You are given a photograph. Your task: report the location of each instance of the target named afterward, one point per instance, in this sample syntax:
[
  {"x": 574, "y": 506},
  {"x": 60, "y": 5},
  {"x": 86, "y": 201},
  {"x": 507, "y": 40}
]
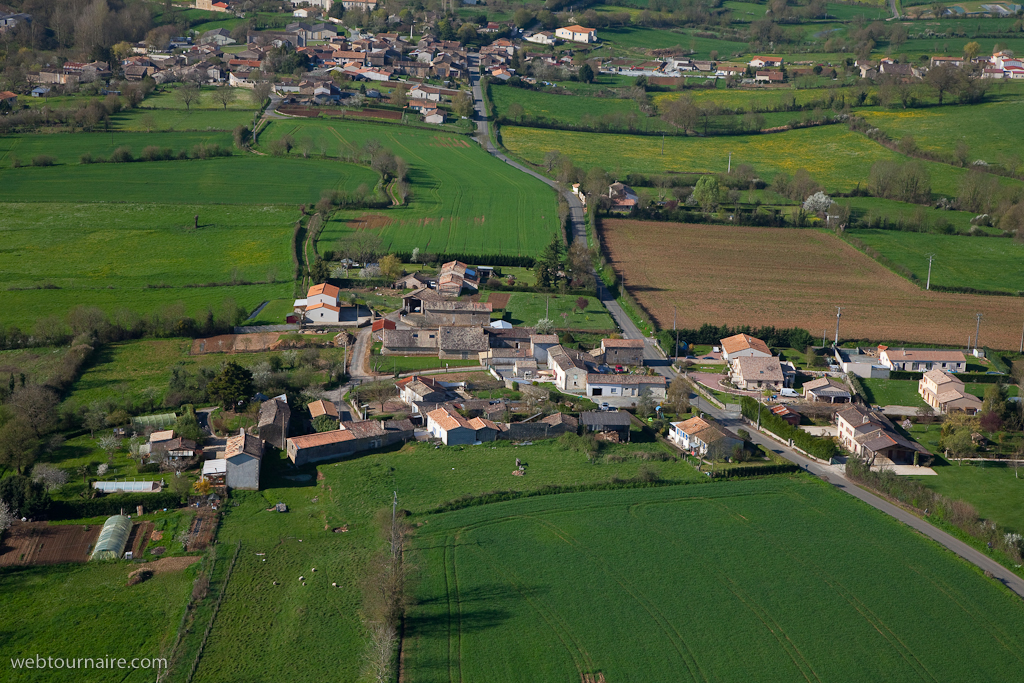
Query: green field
[
  {"x": 893, "y": 392},
  {"x": 68, "y": 148},
  {"x": 525, "y": 309},
  {"x": 865, "y": 209},
  {"x": 232, "y": 180},
  {"x": 88, "y": 611},
  {"x": 258, "y": 622},
  {"x": 835, "y": 157},
  {"x": 112, "y": 255},
  {"x": 985, "y": 128},
  {"x": 985, "y": 263},
  {"x": 274, "y": 313},
  {"x": 994, "y": 491},
  {"x": 463, "y": 201},
  {"x": 403, "y": 364},
  {"x": 723, "y": 582}
]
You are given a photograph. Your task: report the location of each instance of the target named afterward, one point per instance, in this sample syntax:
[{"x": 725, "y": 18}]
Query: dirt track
[{"x": 167, "y": 564}]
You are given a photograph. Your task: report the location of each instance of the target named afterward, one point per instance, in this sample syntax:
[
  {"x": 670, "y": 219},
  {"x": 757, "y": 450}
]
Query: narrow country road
[{"x": 656, "y": 359}]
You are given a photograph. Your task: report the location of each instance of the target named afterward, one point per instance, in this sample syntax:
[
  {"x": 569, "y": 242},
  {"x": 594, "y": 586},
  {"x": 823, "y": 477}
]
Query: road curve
[{"x": 658, "y": 361}]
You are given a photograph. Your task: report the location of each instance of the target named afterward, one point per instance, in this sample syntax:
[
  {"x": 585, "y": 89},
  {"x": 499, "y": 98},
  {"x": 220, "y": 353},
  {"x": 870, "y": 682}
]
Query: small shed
[
  {"x": 113, "y": 538},
  {"x": 606, "y": 421},
  {"x": 41, "y": 91}
]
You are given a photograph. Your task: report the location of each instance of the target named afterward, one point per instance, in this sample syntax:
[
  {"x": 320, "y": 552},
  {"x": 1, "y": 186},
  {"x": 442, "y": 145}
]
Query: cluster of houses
[{"x": 753, "y": 367}]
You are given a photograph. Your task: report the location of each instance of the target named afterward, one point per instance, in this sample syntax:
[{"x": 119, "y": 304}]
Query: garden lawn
[
  {"x": 526, "y": 308},
  {"x": 274, "y": 313},
  {"x": 893, "y": 392},
  {"x": 88, "y": 611},
  {"x": 463, "y": 201},
  {"x": 403, "y": 364},
  {"x": 983, "y": 263},
  {"x": 258, "y": 622},
  {"x": 836, "y": 157},
  {"x": 993, "y": 490},
  {"x": 232, "y": 180},
  {"x": 68, "y": 148},
  {"x": 612, "y": 582}
]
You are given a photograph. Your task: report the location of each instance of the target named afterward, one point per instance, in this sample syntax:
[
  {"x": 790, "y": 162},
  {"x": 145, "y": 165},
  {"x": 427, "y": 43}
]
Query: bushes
[
  {"x": 711, "y": 334},
  {"x": 122, "y": 155},
  {"x": 825, "y": 449},
  {"x": 44, "y": 160}
]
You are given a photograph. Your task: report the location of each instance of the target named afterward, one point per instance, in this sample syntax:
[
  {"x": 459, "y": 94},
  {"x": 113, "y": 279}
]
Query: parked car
[
  {"x": 619, "y": 369},
  {"x": 605, "y": 406}
]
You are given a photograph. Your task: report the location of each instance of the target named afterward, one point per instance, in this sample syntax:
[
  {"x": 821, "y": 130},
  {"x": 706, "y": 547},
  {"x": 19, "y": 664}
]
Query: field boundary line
[{"x": 213, "y": 617}]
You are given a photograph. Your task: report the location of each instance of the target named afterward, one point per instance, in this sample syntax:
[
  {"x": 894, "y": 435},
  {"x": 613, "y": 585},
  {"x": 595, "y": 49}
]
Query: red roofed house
[
  {"x": 740, "y": 345},
  {"x": 322, "y": 304},
  {"x": 623, "y": 197},
  {"x": 379, "y": 326},
  {"x": 768, "y": 77},
  {"x": 351, "y": 438},
  {"x": 8, "y": 98},
  {"x": 577, "y": 34},
  {"x": 453, "y": 429}
]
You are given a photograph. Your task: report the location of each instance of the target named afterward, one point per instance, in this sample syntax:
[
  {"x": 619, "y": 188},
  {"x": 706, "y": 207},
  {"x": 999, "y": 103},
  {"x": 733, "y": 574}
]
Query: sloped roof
[
  {"x": 322, "y": 439},
  {"x": 113, "y": 538},
  {"x": 740, "y": 342},
  {"x": 462, "y": 339},
  {"x": 325, "y": 288},
  {"x": 622, "y": 343},
  {"x": 447, "y": 419},
  {"x": 242, "y": 444},
  {"x": 322, "y": 407}
]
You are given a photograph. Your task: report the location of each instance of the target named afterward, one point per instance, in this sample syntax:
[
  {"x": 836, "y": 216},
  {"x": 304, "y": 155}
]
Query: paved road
[{"x": 656, "y": 359}]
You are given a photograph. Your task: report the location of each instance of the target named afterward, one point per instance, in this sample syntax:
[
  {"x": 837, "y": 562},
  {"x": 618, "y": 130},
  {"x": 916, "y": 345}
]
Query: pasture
[
  {"x": 462, "y": 199},
  {"x": 231, "y": 180},
  {"x": 675, "y": 581},
  {"x": 88, "y": 611},
  {"x": 258, "y": 622},
  {"x": 791, "y": 277},
  {"x": 115, "y": 255},
  {"x": 840, "y": 160},
  {"x": 983, "y": 263},
  {"x": 984, "y": 128},
  {"x": 68, "y": 149}
]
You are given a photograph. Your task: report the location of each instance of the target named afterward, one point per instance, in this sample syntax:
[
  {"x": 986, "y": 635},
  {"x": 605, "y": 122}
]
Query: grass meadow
[
  {"x": 892, "y": 392},
  {"x": 230, "y": 180},
  {"x": 112, "y": 255},
  {"x": 260, "y": 625},
  {"x": 839, "y": 159},
  {"x": 88, "y": 611},
  {"x": 462, "y": 199},
  {"x": 985, "y": 263},
  {"x": 985, "y": 128},
  {"x": 68, "y": 149},
  {"x": 675, "y": 581}
]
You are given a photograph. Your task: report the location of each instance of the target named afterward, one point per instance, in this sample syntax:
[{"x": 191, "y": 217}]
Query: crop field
[
  {"x": 525, "y": 309},
  {"x": 462, "y": 199},
  {"x": 258, "y": 622},
  {"x": 635, "y": 37},
  {"x": 231, "y": 180},
  {"x": 570, "y": 109},
  {"x": 984, "y": 263},
  {"x": 116, "y": 253},
  {"x": 791, "y": 277},
  {"x": 88, "y": 611},
  {"x": 985, "y": 128},
  {"x": 675, "y": 581},
  {"x": 840, "y": 159}
]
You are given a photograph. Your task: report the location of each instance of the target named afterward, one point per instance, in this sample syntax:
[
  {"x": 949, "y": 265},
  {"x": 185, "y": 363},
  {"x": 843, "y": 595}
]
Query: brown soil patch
[
  {"x": 291, "y": 110},
  {"x": 203, "y": 528},
  {"x": 169, "y": 564},
  {"x": 498, "y": 300},
  {"x": 372, "y": 221},
  {"x": 28, "y": 543},
  {"x": 791, "y": 277},
  {"x": 235, "y": 343},
  {"x": 137, "y": 540}
]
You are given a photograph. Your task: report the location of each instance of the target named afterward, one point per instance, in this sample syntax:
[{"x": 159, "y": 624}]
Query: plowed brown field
[{"x": 791, "y": 277}]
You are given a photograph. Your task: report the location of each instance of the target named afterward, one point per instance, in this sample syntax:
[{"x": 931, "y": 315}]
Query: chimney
[{"x": 241, "y": 431}]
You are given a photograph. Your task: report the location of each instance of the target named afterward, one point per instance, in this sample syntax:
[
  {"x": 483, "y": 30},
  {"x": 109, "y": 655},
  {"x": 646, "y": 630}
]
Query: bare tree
[
  {"x": 188, "y": 93},
  {"x": 225, "y": 95},
  {"x": 260, "y": 93},
  {"x": 383, "y": 639},
  {"x": 379, "y": 392}
]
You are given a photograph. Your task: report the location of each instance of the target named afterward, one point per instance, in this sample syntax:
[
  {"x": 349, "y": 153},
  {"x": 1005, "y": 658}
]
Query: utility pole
[
  {"x": 976, "y": 331},
  {"x": 730, "y": 163},
  {"x": 823, "y": 333},
  {"x": 839, "y": 314},
  {"x": 547, "y": 307},
  {"x": 676, "y": 351},
  {"x": 663, "y": 142},
  {"x": 928, "y": 284},
  {"x": 1022, "y": 341}
]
